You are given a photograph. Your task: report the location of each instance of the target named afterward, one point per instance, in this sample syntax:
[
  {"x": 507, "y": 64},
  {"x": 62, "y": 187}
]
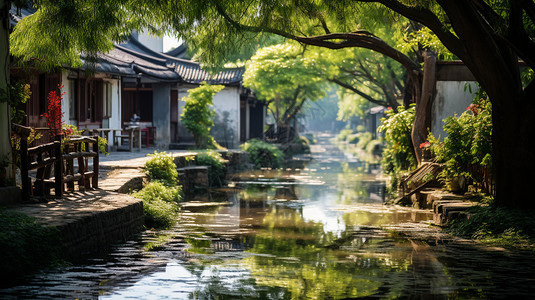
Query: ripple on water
[{"x": 317, "y": 232}]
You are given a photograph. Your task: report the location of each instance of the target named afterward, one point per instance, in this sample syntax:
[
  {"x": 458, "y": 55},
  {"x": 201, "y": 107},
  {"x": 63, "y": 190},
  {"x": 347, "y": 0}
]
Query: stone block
[
  {"x": 10, "y": 195},
  {"x": 132, "y": 185},
  {"x": 193, "y": 177},
  {"x": 183, "y": 161}
]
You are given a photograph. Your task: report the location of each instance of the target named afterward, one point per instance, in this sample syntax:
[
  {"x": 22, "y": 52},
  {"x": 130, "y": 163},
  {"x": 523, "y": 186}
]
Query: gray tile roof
[
  {"x": 133, "y": 59},
  {"x": 170, "y": 68}
]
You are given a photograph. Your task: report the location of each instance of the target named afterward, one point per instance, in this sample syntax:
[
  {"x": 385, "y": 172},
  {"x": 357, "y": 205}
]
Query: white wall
[
  {"x": 228, "y": 100},
  {"x": 65, "y": 91},
  {"x": 113, "y": 122},
  {"x": 452, "y": 97}
]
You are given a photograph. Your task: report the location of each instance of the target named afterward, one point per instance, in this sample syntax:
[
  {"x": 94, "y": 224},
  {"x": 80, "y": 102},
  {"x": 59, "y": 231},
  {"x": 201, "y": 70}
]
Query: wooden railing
[
  {"x": 70, "y": 163},
  {"x": 80, "y": 149},
  {"x": 42, "y": 159}
]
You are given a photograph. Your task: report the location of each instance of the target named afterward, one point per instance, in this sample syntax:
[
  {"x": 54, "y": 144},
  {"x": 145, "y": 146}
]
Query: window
[
  {"x": 107, "y": 100},
  {"x": 73, "y": 94}
]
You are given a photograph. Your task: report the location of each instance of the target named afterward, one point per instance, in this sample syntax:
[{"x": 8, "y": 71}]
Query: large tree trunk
[
  {"x": 513, "y": 149},
  {"x": 494, "y": 63},
  {"x": 5, "y": 128},
  {"x": 422, "y": 118}
]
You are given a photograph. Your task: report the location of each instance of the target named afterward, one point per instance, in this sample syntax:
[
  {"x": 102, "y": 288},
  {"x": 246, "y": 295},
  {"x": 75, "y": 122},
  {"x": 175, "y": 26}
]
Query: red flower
[
  {"x": 425, "y": 145},
  {"x": 54, "y": 114},
  {"x": 474, "y": 108},
  {"x": 389, "y": 108}
]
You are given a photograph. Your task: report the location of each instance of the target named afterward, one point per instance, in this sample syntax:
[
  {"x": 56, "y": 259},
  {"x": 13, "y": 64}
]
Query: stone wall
[{"x": 95, "y": 233}]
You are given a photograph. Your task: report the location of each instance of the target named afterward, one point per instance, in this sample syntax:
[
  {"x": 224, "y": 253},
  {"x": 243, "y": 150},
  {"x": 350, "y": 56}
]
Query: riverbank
[
  {"x": 86, "y": 222},
  {"x": 89, "y": 222}
]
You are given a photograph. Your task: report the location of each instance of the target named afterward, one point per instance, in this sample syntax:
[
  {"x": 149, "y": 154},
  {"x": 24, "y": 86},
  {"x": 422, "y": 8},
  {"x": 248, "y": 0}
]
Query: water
[{"x": 310, "y": 233}]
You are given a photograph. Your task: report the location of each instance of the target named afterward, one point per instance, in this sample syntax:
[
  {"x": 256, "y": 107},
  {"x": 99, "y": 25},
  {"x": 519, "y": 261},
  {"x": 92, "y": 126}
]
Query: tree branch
[
  {"x": 517, "y": 36},
  {"x": 360, "y": 39},
  {"x": 529, "y": 8},
  {"x": 429, "y": 19},
  {"x": 358, "y": 92}
]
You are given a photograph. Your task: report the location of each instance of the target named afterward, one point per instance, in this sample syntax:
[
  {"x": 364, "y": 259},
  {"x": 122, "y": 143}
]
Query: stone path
[{"x": 119, "y": 167}]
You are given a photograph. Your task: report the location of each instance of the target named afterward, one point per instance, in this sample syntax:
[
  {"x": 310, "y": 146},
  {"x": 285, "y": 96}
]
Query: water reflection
[{"x": 312, "y": 233}]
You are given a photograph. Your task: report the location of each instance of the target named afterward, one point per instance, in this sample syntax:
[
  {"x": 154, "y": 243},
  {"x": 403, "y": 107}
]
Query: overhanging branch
[{"x": 358, "y": 92}]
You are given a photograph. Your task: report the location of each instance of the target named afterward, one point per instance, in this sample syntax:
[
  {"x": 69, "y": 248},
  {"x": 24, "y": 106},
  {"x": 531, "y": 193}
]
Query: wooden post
[
  {"x": 130, "y": 139},
  {"x": 58, "y": 170},
  {"x": 95, "y": 163},
  {"x": 139, "y": 138},
  {"x": 25, "y": 184}
]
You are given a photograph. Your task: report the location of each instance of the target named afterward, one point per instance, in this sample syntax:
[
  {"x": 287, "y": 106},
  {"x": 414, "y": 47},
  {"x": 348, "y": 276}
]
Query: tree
[
  {"x": 286, "y": 79},
  {"x": 198, "y": 117},
  {"x": 488, "y": 36},
  {"x": 365, "y": 78},
  {"x": 5, "y": 126}
]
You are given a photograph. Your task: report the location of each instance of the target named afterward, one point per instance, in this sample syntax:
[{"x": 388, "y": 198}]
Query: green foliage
[
  {"x": 281, "y": 70},
  {"x": 353, "y": 139},
  {"x": 19, "y": 93},
  {"x": 398, "y": 154},
  {"x": 60, "y": 30},
  {"x": 198, "y": 117},
  {"x": 25, "y": 245},
  {"x": 162, "y": 167},
  {"x": 262, "y": 154},
  {"x": 424, "y": 38},
  {"x": 466, "y": 150},
  {"x": 283, "y": 77},
  {"x": 160, "y": 204},
  {"x": 364, "y": 139},
  {"x": 343, "y": 134},
  {"x": 299, "y": 145},
  {"x": 497, "y": 226},
  {"x": 375, "y": 148},
  {"x": 217, "y": 166}
]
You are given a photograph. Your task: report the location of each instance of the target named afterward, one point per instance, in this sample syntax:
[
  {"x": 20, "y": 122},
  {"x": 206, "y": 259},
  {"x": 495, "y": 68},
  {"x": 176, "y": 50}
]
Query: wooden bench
[
  {"x": 43, "y": 159},
  {"x": 62, "y": 159}
]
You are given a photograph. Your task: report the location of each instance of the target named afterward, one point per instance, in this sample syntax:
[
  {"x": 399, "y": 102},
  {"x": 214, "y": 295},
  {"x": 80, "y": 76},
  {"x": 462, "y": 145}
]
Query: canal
[{"x": 312, "y": 231}]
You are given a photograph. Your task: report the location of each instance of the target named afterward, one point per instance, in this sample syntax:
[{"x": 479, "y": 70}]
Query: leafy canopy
[
  {"x": 198, "y": 117},
  {"x": 280, "y": 71}
]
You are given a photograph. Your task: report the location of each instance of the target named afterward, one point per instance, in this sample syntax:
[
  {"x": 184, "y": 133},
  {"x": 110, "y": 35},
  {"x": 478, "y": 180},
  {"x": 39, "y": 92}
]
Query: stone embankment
[{"x": 90, "y": 221}]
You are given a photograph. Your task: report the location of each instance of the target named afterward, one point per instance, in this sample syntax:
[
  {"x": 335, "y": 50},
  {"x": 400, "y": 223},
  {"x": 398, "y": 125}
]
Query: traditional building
[{"x": 135, "y": 80}]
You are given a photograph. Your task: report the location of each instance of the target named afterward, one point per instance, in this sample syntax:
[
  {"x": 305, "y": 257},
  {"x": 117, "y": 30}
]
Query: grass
[
  {"x": 25, "y": 246},
  {"x": 160, "y": 204},
  {"x": 498, "y": 226}
]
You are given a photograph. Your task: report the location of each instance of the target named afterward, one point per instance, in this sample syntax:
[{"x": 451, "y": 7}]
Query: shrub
[
  {"x": 162, "y": 167},
  {"x": 364, "y": 139},
  {"x": 160, "y": 204},
  {"x": 310, "y": 137},
  {"x": 398, "y": 154},
  {"x": 217, "y": 166},
  {"x": 497, "y": 226},
  {"x": 375, "y": 147},
  {"x": 353, "y": 138},
  {"x": 361, "y": 128},
  {"x": 299, "y": 145},
  {"x": 466, "y": 150},
  {"x": 25, "y": 245},
  {"x": 262, "y": 154},
  {"x": 344, "y": 133}
]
